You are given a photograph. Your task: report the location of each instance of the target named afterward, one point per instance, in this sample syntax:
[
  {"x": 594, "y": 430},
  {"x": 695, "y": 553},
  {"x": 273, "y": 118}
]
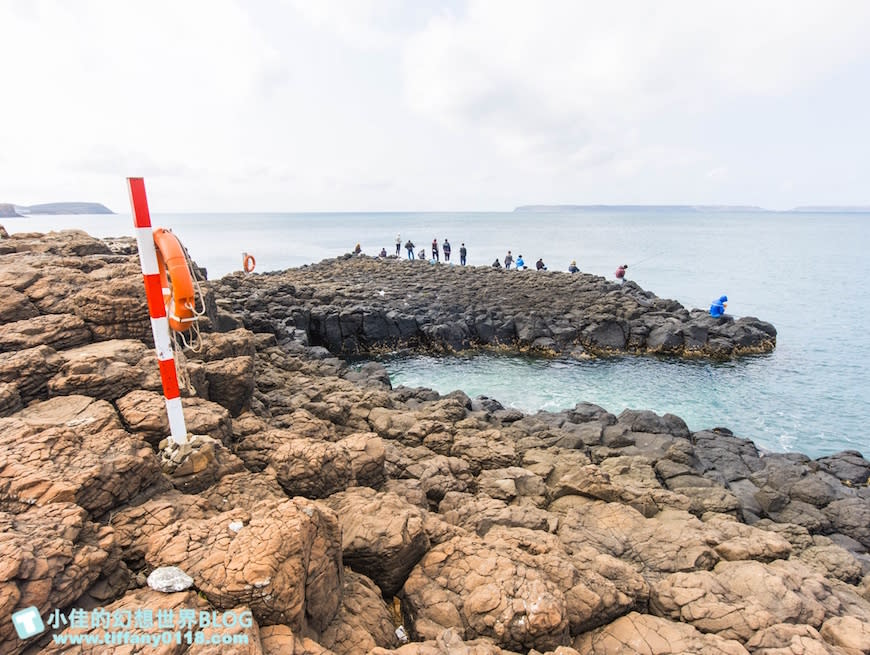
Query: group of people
[
  {"x": 519, "y": 264},
  {"x": 445, "y": 248}
]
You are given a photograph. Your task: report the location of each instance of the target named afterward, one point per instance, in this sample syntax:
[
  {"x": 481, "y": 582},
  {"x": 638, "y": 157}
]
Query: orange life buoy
[
  {"x": 248, "y": 263},
  {"x": 175, "y": 279}
]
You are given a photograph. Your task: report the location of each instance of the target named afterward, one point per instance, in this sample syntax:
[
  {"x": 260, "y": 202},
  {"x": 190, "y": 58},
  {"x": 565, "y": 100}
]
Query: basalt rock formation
[
  {"x": 354, "y": 305},
  {"x": 342, "y": 516}
]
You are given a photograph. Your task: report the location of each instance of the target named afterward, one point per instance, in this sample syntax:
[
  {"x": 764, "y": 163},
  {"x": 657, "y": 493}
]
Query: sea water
[{"x": 803, "y": 272}]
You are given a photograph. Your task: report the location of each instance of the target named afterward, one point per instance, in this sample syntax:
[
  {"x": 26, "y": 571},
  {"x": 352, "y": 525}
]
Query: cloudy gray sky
[{"x": 303, "y": 105}]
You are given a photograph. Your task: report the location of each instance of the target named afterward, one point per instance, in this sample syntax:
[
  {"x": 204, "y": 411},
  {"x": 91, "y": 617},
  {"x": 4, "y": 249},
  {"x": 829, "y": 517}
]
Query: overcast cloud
[{"x": 385, "y": 105}]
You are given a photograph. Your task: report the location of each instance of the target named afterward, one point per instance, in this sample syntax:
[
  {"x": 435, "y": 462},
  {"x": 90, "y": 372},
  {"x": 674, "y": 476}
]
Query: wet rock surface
[{"x": 335, "y": 509}]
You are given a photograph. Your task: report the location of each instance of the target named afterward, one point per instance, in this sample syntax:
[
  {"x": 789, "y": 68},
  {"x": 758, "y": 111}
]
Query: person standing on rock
[
  {"x": 398, "y": 243},
  {"x": 435, "y": 250},
  {"x": 446, "y": 248},
  {"x": 462, "y": 253},
  {"x": 409, "y": 246},
  {"x": 508, "y": 260}
]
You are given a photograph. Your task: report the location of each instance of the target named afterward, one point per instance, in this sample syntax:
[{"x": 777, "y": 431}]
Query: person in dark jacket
[
  {"x": 496, "y": 263},
  {"x": 446, "y": 248},
  {"x": 540, "y": 264},
  {"x": 462, "y": 253},
  {"x": 435, "y": 250},
  {"x": 409, "y": 246},
  {"x": 573, "y": 267}
]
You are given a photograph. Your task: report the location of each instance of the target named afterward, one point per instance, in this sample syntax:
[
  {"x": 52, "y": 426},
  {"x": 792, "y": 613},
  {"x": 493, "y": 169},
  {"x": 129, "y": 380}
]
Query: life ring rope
[{"x": 182, "y": 292}]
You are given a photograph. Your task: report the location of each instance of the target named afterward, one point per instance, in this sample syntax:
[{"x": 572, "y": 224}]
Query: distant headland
[
  {"x": 834, "y": 209},
  {"x": 9, "y": 209}
]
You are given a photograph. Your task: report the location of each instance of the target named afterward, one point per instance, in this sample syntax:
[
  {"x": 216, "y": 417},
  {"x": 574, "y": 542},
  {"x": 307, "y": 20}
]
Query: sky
[{"x": 365, "y": 105}]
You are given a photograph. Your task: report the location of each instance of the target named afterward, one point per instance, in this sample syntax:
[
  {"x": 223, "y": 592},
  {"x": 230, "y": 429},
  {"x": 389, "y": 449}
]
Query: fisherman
[
  {"x": 620, "y": 272},
  {"x": 446, "y": 248},
  {"x": 409, "y": 246},
  {"x": 508, "y": 260},
  {"x": 462, "y": 253},
  {"x": 573, "y": 267}
]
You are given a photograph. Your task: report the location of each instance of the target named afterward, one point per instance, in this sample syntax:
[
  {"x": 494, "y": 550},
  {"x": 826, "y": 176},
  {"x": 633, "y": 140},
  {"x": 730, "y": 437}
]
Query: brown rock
[
  {"x": 196, "y": 465},
  {"x": 519, "y": 588},
  {"x": 788, "y": 639},
  {"x": 56, "y": 330},
  {"x": 283, "y": 560},
  {"x": 231, "y": 382},
  {"x": 383, "y": 536},
  {"x": 106, "y": 370},
  {"x": 224, "y": 345},
  {"x": 15, "y": 306},
  {"x": 642, "y": 634},
  {"x": 847, "y": 632},
  {"x": 49, "y": 556},
  {"x": 144, "y": 413},
  {"x": 30, "y": 370},
  {"x": 159, "y": 604},
  {"x": 243, "y": 490},
  {"x": 363, "y": 621},
  {"x": 672, "y": 541},
  {"x": 737, "y": 599},
  {"x": 281, "y": 640},
  {"x": 115, "y": 308},
  {"x": 367, "y": 454},
  {"x": 303, "y": 467},
  {"x": 71, "y": 453},
  {"x": 10, "y": 399}
]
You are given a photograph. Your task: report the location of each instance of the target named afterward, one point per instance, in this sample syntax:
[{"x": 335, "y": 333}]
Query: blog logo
[{"x": 28, "y": 623}]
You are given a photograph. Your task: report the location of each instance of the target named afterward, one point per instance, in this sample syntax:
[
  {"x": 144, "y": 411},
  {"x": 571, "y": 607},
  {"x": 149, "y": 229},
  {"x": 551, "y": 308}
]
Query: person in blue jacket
[{"x": 717, "y": 308}]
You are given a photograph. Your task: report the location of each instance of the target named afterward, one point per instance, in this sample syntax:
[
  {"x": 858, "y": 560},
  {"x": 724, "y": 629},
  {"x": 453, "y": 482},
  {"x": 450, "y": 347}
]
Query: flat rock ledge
[
  {"x": 353, "y": 305},
  {"x": 341, "y": 516}
]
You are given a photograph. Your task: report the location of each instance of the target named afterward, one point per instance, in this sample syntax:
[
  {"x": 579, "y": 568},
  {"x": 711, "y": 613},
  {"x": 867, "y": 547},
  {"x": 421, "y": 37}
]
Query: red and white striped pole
[{"x": 156, "y": 308}]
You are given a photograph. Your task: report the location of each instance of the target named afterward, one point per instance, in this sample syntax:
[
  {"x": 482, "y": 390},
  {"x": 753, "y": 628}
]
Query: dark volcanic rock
[{"x": 360, "y": 305}]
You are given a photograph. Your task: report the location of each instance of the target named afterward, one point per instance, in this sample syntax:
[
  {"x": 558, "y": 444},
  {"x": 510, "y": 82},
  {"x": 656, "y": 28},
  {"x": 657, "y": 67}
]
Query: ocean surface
[{"x": 803, "y": 272}]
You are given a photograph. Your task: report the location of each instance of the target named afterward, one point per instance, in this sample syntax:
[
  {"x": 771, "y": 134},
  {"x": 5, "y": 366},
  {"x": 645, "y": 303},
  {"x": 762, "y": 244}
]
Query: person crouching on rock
[
  {"x": 717, "y": 307},
  {"x": 496, "y": 263},
  {"x": 573, "y": 267},
  {"x": 540, "y": 264},
  {"x": 620, "y": 272},
  {"x": 357, "y": 250},
  {"x": 383, "y": 252}
]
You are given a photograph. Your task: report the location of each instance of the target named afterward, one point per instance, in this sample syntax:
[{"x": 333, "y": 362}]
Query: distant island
[
  {"x": 9, "y": 209},
  {"x": 641, "y": 208},
  {"x": 830, "y": 209},
  {"x": 835, "y": 209}
]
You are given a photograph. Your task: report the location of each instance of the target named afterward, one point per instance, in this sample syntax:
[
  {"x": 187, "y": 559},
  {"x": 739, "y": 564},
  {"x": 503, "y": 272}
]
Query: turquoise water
[{"x": 802, "y": 272}]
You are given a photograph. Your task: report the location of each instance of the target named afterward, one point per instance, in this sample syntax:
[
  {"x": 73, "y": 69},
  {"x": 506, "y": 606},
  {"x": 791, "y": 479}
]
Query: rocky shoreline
[
  {"x": 353, "y": 305},
  {"x": 334, "y": 509}
]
